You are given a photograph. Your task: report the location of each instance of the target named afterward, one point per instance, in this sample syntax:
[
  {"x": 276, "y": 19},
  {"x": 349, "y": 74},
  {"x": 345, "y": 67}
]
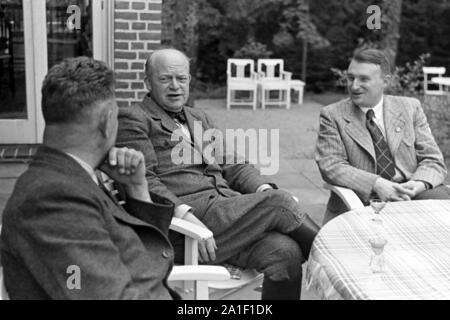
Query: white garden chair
[
  {"x": 241, "y": 78},
  {"x": 273, "y": 78},
  {"x": 432, "y": 71}
]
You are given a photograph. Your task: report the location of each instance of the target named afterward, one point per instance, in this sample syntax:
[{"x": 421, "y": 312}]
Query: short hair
[
  {"x": 157, "y": 53},
  {"x": 72, "y": 87},
  {"x": 373, "y": 56}
]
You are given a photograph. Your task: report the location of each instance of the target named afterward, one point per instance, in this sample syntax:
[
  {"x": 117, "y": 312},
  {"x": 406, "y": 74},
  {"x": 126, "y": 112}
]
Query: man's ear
[
  {"x": 105, "y": 122},
  {"x": 387, "y": 80},
  {"x": 147, "y": 83}
]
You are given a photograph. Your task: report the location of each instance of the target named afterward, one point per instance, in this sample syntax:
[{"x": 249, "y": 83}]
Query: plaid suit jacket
[{"x": 345, "y": 153}]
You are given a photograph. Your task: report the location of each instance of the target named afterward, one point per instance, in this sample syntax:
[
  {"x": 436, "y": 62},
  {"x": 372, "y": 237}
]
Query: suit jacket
[
  {"x": 148, "y": 128},
  {"x": 346, "y": 156},
  {"x": 58, "y": 217}
]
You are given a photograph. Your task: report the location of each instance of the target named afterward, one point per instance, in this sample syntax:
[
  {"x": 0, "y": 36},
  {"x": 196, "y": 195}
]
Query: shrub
[{"x": 253, "y": 50}]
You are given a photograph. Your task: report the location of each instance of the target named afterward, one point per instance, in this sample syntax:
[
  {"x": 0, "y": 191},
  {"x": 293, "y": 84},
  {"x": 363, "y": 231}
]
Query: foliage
[
  {"x": 233, "y": 28},
  {"x": 436, "y": 110},
  {"x": 253, "y": 50}
]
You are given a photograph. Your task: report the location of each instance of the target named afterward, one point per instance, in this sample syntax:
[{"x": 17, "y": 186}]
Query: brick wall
[{"x": 137, "y": 32}]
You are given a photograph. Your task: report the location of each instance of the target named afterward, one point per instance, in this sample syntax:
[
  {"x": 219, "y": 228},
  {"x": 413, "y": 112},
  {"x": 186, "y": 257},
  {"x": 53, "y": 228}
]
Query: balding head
[{"x": 167, "y": 78}]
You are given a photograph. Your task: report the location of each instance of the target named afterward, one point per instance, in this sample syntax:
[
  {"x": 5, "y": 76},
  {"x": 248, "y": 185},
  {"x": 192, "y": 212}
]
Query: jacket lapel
[
  {"x": 356, "y": 128},
  {"x": 394, "y": 123},
  {"x": 158, "y": 114}
]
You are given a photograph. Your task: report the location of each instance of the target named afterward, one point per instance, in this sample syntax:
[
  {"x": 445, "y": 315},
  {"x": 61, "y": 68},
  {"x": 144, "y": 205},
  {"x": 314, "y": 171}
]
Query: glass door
[
  {"x": 35, "y": 36},
  {"x": 17, "y": 117}
]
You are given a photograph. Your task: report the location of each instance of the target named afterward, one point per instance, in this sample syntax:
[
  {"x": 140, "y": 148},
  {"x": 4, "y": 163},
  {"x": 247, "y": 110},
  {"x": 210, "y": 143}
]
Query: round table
[{"x": 417, "y": 254}]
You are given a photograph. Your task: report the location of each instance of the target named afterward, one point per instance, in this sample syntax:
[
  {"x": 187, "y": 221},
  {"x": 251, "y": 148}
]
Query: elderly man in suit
[
  {"x": 378, "y": 145},
  {"x": 64, "y": 236},
  {"x": 254, "y": 225}
]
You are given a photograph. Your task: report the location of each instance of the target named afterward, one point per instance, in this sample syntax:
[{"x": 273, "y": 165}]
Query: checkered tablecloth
[{"x": 417, "y": 254}]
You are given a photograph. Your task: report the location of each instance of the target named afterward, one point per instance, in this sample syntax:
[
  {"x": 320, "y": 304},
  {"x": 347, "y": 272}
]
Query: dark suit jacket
[
  {"x": 148, "y": 128},
  {"x": 58, "y": 217},
  {"x": 346, "y": 156}
]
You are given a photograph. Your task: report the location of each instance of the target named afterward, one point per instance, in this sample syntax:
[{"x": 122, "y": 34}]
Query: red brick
[
  {"x": 138, "y": 26},
  {"x": 123, "y": 103},
  {"x": 122, "y": 85},
  {"x": 150, "y": 16},
  {"x": 155, "y": 6},
  {"x": 137, "y": 46},
  {"x": 137, "y": 66},
  {"x": 125, "y": 55},
  {"x": 126, "y": 75},
  {"x": 125, "y": 36},
  {"x": 137, "y": 85},
  {"x": 121, "y": 26},
  {"x": 120, "y": 66},
  {"x": 153, "y": 46},
  {"x": 126, "y": 16},
  {"x": 121, "y": 46},
  {"x": 138, "y": 5},
  {"x": 125, "y": 95},
  {"x": 122, "y": 5},
  {"x": 149, "y": 36}
]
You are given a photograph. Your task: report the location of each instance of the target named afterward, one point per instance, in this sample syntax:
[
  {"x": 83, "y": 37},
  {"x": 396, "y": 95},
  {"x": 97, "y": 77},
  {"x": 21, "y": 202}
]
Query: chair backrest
[
  {"x": 271, "y": 68},
  {"x": 240, "y": 68},
  {"x": 433, "y": 71}
]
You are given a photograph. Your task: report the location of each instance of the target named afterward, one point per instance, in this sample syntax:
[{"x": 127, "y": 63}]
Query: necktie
[
  {"x": 179, "y": 116},
  {"x": 385, "y": 162},
  {"x": 108, "y": 189}
]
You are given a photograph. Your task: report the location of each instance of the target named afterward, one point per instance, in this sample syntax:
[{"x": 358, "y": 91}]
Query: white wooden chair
[
  {"x": 348, "y": 196},
  {"x": 272, "y": 77},
  {"x": 241, "y": 78},
  {"x": 432, "y": 71}
]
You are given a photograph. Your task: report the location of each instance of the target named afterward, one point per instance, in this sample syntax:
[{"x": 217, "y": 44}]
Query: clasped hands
[{"x": 393, "y": 191}]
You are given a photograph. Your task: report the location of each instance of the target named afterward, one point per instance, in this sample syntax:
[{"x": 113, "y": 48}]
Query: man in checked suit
[
  {"x": 375, "y": 144},
  {"x": 254, "y": 225}
]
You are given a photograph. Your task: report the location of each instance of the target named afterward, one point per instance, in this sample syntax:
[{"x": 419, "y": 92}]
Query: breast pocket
[{"x": 164, "y": 153}]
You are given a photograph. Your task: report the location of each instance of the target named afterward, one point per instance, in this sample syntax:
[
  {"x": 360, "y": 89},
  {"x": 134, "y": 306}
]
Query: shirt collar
[
  {"x": 378, "y": 109},
  {"x": 85, "y": 166}
]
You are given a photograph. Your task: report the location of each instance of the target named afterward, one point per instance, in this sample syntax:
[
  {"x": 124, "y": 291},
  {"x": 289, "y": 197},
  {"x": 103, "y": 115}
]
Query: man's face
[
  {"x": 169, "y": 81},
  {"x": 366, "y": 83}
]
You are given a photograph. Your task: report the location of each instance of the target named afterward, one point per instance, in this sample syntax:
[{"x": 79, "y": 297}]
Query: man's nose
[
  {"x": 174, "y": 84},
  {"x": 354, "y": 84}
]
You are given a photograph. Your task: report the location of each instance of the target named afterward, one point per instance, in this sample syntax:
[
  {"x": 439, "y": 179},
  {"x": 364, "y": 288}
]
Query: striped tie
[{"x": 385, "y": 162}]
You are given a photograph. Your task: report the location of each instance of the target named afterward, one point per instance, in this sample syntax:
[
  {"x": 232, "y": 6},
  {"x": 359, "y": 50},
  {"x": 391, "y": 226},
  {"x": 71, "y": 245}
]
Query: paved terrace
[{"x": 297, "y": 173}]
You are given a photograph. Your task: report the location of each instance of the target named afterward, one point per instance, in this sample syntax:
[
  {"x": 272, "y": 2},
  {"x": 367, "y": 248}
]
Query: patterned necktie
[
  {"x": 179, "y": 116},
  {"x": 385, "y": 162}
]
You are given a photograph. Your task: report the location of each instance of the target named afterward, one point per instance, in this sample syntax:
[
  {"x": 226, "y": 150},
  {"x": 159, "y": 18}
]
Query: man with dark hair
[
  {"x": 375, "y": 144},
  {"x": 254, "y": 226},
  {"x": 64, "y": 236}
]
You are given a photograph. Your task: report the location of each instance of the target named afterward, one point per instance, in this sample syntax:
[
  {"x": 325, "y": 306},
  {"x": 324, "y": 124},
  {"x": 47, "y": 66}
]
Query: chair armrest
[
  {"x": 286, "y": 75},
  {"x": 199, "y": 273},
  {"x": 190, "y": 230},
  {"x": 348, "y": 196}
]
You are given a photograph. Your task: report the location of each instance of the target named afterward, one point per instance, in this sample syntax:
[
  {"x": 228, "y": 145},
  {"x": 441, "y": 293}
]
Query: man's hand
[
  {"x": 206, "y": 249},
  {"x": 413, "y": 188},
  {"x": 127, "y": 166},
  {"x": 390, "y": 191}
]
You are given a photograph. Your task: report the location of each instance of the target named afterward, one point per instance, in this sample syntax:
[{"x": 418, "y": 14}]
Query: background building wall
[{"x": 137, "y": 26}]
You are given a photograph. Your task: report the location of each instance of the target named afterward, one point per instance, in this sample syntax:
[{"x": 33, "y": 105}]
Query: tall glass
[{"x": 377, "y": 241}]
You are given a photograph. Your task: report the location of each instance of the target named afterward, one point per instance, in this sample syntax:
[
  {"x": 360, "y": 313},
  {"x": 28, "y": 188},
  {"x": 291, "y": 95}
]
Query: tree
[{"x": 391, "y": 18}]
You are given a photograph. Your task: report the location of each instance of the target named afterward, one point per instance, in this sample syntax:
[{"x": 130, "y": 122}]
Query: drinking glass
[{"x": 377, "y": 206}]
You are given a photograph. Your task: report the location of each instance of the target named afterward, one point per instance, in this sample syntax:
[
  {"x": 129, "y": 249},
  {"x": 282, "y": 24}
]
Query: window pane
[
  {"x": 12, "y": 61},
  {"x": 62, "y": 42}
]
